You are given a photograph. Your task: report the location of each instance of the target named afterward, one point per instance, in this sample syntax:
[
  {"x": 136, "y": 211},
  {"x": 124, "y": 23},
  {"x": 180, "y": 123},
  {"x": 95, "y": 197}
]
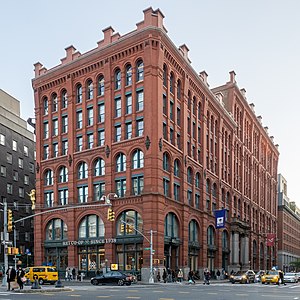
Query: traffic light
[
  {"x": 15, "y": 251},
  {"x": 110, "y": 215},
  {"x": 9, "y": 220},
  {"x": 122, "y": 228},
  {"x": 129, "y": 228}
]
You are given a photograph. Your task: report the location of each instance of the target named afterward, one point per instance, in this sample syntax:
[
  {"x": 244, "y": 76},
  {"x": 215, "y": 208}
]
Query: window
[
  {"x": 9, "y": 158},
  {"x": 178, "y": 89},
  {"x": 101, "y": 86},
  {"x": 9, "y": 188},
  {"x": 164, "y": 104},
  {"x": 64, "y": 147},
  {"x": 21, "y": 192},
  {"x": 64, "y": 99},
  {"x": 210, "y": 236},
  {"x": 176, "y": 168},
  {"x": 31, "y": 167},
  {"x": 14, "y": 145},
  {"x": 121, "y": 187},
  {"x": 128, "y": 75},
  {"x": 101, "y": 113},
  {"x": 166, "y": 162},
  {"x": 99, "y": 167},
  {"x": 189, "y": 197},
  {"x": 90, "y": 116},
  {"x": 16, "y": 206},
  {"x": 79, "y": 119},
  {"x": 20, "y": 163},
  {"x": 49, "y": 199},
  {"x": 25, "y": 151},
  {"x": 121, "y": 162},
  {"x": 2, "y": 139},
  {"x": 140, "y": 127},
  {"x": 139, "y": 70},
  {"x": 63, "y": 195},
  {"x": 82, "y": 194},
  {"x": 48, "y": 177},
  {"x": 165, "y": 131},
  {"x": 90, "y": 140},
  {"x": 133, "y": 219},
  {"x": 193, "y": 231},
  {"x": 197, "y": 200},
  {"x": 129, "y": 104},
  {"x": 55, "y": 127},
  {"x": 197, "y": 180},
  {"x": 46, "y": 106},
  {"x": 27, "y": 236},
  {"x": 54, "y": 103},
  {"x": 172, "y": 83},
  {"x": 171, "y": 110},
  {"x": 166, "y": 185},
  {"x": 172, "y": 136},
  {"x": 3, "y": 171},
  {"x": 46, "y": 130},
  {"x": 99, "y": 190},
  {"x": 82, "y": 171},
  {"x": 176, "y": 191},
  {"x": 64, "y": 122},
  {"x": 79, "y": 143},
  {"x": 118, "y": 109},
  {"x": 55, "y": 149},
  {"x": 15, "y": 175},
  {"x": 79, "y": 93},
  {"x": 90, "y": 90},
  {"x": 101, "y": 137},
  {"x": 63, "y": 175},
  {"x": 171, "y": 225},
  {"x": 189, "y": 176},
  {"x": 118, "y": 133},
  {"x": 178, "y": 116},
  {"x": 91, "y": 227},
  {"x": 139, "y": 100},
  {"x": 138, "y": 159},
  {"x": 117, "y": 79},
  {"x": 137, "y": 185},
  {"x": 128, "y": 130}
]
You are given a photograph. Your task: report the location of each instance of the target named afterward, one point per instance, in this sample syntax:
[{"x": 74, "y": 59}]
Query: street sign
[
  {"x": 27, "y": 251},
  {"x": 146, "y": 248}
]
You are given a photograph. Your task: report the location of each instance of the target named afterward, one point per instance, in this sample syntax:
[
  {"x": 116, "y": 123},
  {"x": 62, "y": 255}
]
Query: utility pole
[
  {"x": 5, "y": 240},
  {"x": 151, "y": 279}
]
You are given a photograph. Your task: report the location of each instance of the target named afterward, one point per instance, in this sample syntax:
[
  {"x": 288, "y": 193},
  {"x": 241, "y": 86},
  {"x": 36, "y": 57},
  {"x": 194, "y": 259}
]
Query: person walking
[
  {"x": 164, "y": 276},
  {"x": 281, "y": 278},
  {"x": 180, "y": 276},
  {"x": 206, "y": 277},
  {"x": 218, "y": 274},
  {"x": 191, "y": 277},
  {"x": 11, "y": 276},
  {"x": 20, "y": 277}
]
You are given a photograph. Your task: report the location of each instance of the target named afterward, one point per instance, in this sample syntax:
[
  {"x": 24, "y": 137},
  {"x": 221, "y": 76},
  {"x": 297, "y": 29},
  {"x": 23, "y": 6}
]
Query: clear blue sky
[{"x": 258, "y": 39}]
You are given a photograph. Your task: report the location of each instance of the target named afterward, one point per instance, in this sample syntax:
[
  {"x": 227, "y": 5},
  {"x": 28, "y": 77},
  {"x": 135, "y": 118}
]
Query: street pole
[
  {"x": 15, "y": 246},
  {"x": 151, "y": 279},
  {"x": 5, "y": 241}
]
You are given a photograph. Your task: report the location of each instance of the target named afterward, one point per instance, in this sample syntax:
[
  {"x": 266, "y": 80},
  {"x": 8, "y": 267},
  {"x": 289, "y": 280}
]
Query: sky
[{"x": 258, "y": 39}]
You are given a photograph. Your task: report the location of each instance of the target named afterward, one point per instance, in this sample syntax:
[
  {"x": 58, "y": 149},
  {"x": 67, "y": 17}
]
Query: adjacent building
[
  {"x": 288, "y": 228},
  {"x": 132, "y": 118},
  {"x": 17, "y": 172}
]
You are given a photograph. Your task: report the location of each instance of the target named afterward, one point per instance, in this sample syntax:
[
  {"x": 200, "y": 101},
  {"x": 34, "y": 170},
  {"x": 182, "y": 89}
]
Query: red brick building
[{"x": 132, "y": 117}]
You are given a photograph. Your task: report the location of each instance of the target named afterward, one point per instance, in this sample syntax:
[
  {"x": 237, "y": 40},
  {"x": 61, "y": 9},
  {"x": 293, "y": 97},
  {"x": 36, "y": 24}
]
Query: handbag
[{"x": 23, "y": 279}]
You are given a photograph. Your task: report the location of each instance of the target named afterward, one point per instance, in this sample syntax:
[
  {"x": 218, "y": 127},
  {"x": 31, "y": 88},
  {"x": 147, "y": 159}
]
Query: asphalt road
[{"x": 170, "y": 291}]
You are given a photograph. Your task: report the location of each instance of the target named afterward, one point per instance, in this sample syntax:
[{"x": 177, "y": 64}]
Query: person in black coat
[
  {"x": 11, "y": 276},
  {"x": 20, "y": 275}
]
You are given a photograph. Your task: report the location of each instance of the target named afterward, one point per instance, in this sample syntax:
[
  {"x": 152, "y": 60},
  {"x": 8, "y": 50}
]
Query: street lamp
[{"x": 107, "y": 197}]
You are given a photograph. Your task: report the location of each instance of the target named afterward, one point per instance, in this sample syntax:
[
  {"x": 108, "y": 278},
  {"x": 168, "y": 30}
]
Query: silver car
[{"x": 291, "y": 277}]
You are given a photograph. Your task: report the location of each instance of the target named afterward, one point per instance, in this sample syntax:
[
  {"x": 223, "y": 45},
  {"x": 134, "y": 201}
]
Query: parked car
[
  {"x": 291, "y": 277},
  {"x": 271, "y": 276},
  {"x": 112, "y": 277},
  {"x": 258, "y": 275},
  {"x": 243, "y": 277}
]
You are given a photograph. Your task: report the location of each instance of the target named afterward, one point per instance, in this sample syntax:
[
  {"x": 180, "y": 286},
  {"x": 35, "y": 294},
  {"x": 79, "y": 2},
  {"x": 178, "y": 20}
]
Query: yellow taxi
[
  {"x": 43, "y": 274},
  {"x": 271, "y": 276}
]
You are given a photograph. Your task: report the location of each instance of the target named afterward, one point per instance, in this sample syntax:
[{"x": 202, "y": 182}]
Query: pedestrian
[
  {"x": 281, "y": 278},
  {"x": 158, "y": 276},
  {"x": 74, "y": 274},
  {"x": 218, "y": 274},
  {"x": 20, "y": 277},
  {"x": 11, "y": 276},
  {"x": 206, "y": 277},
  {"x": 164, "y": 276},
  {"x": 191, "y": 277},
  {"x": 70, "y": 274},
  {"x": 173, "y": 275},
  {"x": 67, "y": 274},
  {"x": 180, "y": 276}
]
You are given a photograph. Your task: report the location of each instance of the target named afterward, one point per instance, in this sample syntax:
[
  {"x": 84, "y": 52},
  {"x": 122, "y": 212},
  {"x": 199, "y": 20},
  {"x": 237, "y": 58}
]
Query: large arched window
[
  {"x": 176, "y": 168},
  {"x": 138, "y": 159},
  {"x": 91, "y": 227},
  {"x": 128, "y": 221},
  {"x": 128, "y": 75},
  {"x": 79, "y": 93},
  {"x": 63, "y": 174},
  {"x": 90, "y": 89},
  {"x": 166, "y": 162},
  {"x": 171, "y": 225},
  {"x": 101, "y": 85},
  {"x": 140, "y": 70},
  {"x": 121, "y": 162},
  {"x": 99, "y": 167},
  {"x": 117, "y": 79},
  {"x": 45, "y": 106},
  {"x": 82, "y": 170},
  {"x": 210, "y": 236},
  {"x": 56, "y": 229},
  {"x": 48, "y": 177},
  {"x": 193, "y": 231}
]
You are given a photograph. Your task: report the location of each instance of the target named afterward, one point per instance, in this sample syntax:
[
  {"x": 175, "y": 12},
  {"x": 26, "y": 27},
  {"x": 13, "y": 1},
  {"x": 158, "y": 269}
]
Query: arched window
[
  {"x": 165, "y": 76},
  {"x": 56, "y": 229},
  {"x": 90, "y": 89},
  {"x": 46, "y": 106},
  {"x": 166, "y": 162},
  {"x": 138, "y": 159},
  {"x": 225, "y": 240},
  {"x": 133, "y": 221},
  {"x": 117, "y": 79},
  {"x": 210, "y": 236},
  {"x": 48, "y": 177},
  {"x": 189, "y": 175},
  {"x": 63, "y": 174},
  {"x": 99, "y": 167},
  {"x": 171, "y": 225},
  {"x": 54, "y": 102},
  {"x": 129, "y": 75},
  {"x": 101, "y": 85},
  {"x": 140, "y": 70},
  {"x": 82, "y": 170},
  {"x": 193, "y": 231},
  {"x": 121, "y": 162},
  {"x": 91, "y": 227},
  {"x": 178, "y": 89},
  {"x": 176, "y": 168},
  {"x": 172, "y": 83},
  {"x": 64, "y": 99},
  {"x": 197, "y": 180},
  {"x": 79, "y": 93}
]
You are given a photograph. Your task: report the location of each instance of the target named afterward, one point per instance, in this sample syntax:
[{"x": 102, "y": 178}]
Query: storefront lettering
[{"x": 89, "y": 242}]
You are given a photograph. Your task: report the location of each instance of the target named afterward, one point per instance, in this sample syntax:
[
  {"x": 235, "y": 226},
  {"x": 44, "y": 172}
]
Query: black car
[{"x": 112, "y": 277}]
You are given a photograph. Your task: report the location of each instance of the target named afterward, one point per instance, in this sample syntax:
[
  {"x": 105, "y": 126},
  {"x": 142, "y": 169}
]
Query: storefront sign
[{"x": 89, "y": 242}]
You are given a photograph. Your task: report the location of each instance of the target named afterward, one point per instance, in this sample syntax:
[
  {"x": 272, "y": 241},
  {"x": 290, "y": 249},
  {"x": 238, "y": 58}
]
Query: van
[{"x": 43, "y": 274}]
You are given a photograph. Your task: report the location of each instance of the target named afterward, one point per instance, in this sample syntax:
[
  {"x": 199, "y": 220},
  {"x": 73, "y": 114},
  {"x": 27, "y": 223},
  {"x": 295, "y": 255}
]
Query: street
[{"x": 172, "y": 291}]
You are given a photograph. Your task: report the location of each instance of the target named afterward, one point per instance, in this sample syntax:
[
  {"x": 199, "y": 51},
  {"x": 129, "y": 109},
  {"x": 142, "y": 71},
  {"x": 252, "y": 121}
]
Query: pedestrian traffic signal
[
  {"x": 110, "y": 215},
  {"x": 9, "y": 220}
]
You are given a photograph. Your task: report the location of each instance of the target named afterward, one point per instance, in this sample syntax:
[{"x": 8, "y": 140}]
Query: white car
[{"x": 291, "y": 277}]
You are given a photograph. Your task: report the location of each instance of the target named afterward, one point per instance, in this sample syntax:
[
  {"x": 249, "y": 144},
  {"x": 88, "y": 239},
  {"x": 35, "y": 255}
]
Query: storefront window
[{"x": 91, "y": 258}]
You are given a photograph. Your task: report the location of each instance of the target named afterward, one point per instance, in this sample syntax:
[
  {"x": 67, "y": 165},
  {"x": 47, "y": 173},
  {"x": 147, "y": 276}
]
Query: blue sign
[
  {"x": 220, "y": 218},
  {"x": 27, "y": 251}
]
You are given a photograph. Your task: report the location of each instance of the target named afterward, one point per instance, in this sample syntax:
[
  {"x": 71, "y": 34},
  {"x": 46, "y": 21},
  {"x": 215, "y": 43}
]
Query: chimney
[
  {"x": 277, "y": 146},
  {"x": 266, "y": 128},
  {"x": 232, "y": 77},
  {"x": 152, "y": 18},
  {"x": 184, "y": 51},
  {"x": 71, "y": 54},
  {"x": 203, "y": 75},
  {"x": 243, "y": 92},
  {"x": 219, "y": 96},
  {"x": 259, "y": 118},
  {"x": 252, "y": 106},
  {"x": 272, "y": 138},
  {"x": 37, "y": 67}
]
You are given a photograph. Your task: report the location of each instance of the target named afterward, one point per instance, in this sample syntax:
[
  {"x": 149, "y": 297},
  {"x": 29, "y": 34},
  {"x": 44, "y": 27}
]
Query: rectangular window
[
  {"x": 176, "y": 191},
  {"x": 121, "y": 187},
  {"x": 46, "y": 130},
  {"x": 172, "y": 136},
  {"x": 129, "y": 104},
  {"x": 79, "y": 119},
  {"x": 194, "y": 130},
  {"x": 48, "y": 198},
  {"x": 90, "y": 140},
  {"x": 64, "y": 122},
  {"x": 27, "y": 236},
  {"x": 164, "y": 104},
  {"x": 137, "y": 185},
  {"x": 199, "y": 134},
  {"x": 3, "y": 171},
  {"x": 14, "y": 145},
  {"x": 31, "y": 167},
  {"x": 55, "y": 150},
  {"x": 63, "y": 196},
  {"x": 55, "y": 127},
  {"x": 189, "y": 125},
  {"x": 166, "y": 184},
  {"x": 25, "y": 150},
  {"x": 46, "y": 152},
  {"x": 118, "y": 133},
  {"x": 171, "y": 110},
  {"x": 9, "y": 188},
  {"x": 79, "y": 143},
  {"x": 165, "y": 133},
  {"x": 128, "y": 131},
  {"x": 118, "y": 108},
  {"x": 101, "y": 137},
  {"x": 189, "y": 197},
  {"x": 2, "y": 139},
  {"x": 21, "y": 192},
  {"x": 20, "y": 163},
  {"x": 15, "y": 175},
  {"x": 178, "y": 116},
  {"x": 197, "y": 201},
  {"x": 139, "y": 100},
  {"x": 99, "y": 191},
  {"x": 9, "y": 158},
  {"x": 140, "y": 127},
  {"x": 82, "y": 194},
  {"x": 101, "y": 113},
  {"x": 64, "y": 147},
  {"x": 178, "y": 141},
  {"x": 26, "y": 179},
  {"x": 90, "y": 116}
]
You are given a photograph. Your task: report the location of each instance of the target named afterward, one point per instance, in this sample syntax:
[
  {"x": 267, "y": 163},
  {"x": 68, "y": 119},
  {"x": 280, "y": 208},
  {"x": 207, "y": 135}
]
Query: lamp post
[
  {"x": 106, "y": 260},
  {"x": 107, "y": 197}
]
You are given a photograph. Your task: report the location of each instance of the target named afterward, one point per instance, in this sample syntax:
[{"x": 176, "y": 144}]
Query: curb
[{"x": 31, "y": 291}]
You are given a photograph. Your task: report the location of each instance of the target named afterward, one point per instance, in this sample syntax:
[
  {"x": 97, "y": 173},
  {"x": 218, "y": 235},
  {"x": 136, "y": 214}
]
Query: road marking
[
  {"x": 48, "y": 294},
  {"x": 74, "y": 295},
  {"x": 166, "y": 299},
  {"x": 183, "y": 292},
  {"x": 242, "y": 295},
  {"x": 212, "y": 293},
  {"x": 131, "y": 297},
  {"x": 132, "y": 290},
  {"x": 158, "y": 291},
  {"x": 103, "y": 296}
]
